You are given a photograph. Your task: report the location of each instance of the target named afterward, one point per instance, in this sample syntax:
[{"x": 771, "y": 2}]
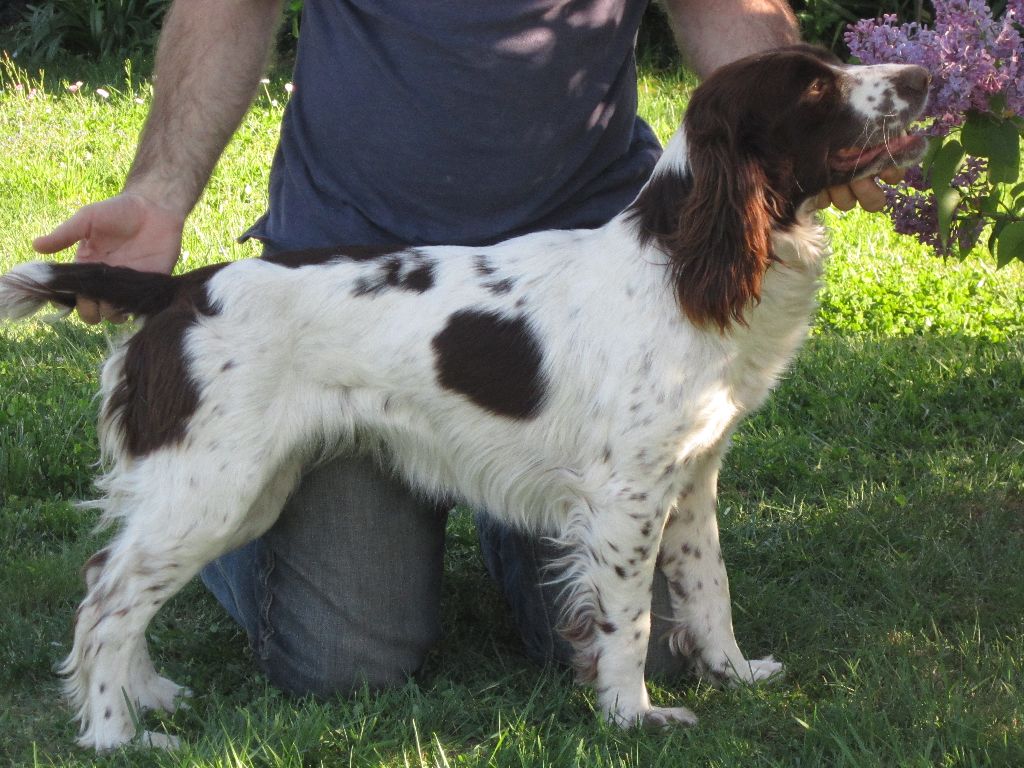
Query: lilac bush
[{"x": 968, "y": 180}]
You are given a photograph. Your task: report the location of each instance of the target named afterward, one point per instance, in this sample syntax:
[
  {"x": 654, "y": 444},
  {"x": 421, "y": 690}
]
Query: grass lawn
[{"x": 872, "y": 518}]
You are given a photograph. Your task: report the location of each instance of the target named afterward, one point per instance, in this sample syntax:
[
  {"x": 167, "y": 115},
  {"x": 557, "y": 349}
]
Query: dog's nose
[{"x": 914, "y": 79}]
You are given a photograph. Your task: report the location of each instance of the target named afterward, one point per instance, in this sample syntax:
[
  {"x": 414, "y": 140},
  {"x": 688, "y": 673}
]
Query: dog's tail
[{"x": 26, "y": 288}]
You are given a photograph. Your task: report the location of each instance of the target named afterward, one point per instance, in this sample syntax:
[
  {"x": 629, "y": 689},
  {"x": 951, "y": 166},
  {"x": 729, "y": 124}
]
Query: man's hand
[
  {"x": 126, "y": 230},
  {"x": 208, "y": 66},
  {"x": 863, "y": 191}
]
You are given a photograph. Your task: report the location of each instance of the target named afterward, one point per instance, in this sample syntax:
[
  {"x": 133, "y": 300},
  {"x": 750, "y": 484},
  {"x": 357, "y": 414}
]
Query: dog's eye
[{"x": 817, "y": 88}]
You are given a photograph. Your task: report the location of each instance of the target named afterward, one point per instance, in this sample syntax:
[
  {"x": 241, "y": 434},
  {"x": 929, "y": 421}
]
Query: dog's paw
[
  {"x": 766, "y": 670},
  {"x": 659, "y": 718},
  {"x": 652, "y": 718},
  {"x": 159, "y": 693},
  {"x": 108, "y": 727},
  {"x": 754, "y": 671},
  {"x": 154, "y": 740}
]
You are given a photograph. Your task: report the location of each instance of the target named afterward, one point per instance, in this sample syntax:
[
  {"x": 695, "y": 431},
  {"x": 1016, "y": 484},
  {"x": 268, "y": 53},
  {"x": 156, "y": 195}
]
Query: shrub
[
  {"x": 825, "y": 21},
  {"x": 100, "y": 28},
  {"x": 110, "y": 28},
  {"x": 129, "y": 27},
  {"x": 975, "y": 116}
]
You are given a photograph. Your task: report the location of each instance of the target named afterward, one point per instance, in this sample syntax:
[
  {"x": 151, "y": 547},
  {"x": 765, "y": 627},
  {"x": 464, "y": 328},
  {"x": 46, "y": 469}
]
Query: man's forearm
[
  {"x": 711, "y": 33},
  {"x": 208, "y": 65}
]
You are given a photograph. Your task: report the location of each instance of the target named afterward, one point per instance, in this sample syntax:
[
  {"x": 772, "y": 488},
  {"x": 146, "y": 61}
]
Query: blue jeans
[{"x": 344, "y": 590}]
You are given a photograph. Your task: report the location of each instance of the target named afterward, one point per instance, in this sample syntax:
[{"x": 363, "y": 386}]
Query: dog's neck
[
  {"x": 718, "y": 229},
  {"x": 713, "y": 214},
  {"x": 673, "y": 158}
]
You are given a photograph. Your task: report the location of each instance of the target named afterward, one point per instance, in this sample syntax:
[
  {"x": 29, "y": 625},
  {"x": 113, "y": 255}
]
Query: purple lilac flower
[
  {"x": 915, "y": 179},
  {"x": 968, "y": 231},
  {"x": 970, "y": 172},
  {"x": 972, "y": 56},
  {"x": 911, "y": 205},
  {"x": 977, "y": 64},
  {"x": 914, "y": 212}
]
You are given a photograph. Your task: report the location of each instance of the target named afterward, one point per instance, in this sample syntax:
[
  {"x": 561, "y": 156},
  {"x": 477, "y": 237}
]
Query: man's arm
[
  {"x": 711, "y": 34},
  {"x": 208, "y": 64}
]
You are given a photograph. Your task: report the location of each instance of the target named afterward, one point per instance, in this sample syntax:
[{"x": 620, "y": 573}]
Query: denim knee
[
  {"x": 519, "y": 564},
  {"x": 344, "y": 590}
]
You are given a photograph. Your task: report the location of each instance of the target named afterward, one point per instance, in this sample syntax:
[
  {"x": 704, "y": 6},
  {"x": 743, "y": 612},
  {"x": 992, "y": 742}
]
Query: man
[{"x": 414, "y": 123}]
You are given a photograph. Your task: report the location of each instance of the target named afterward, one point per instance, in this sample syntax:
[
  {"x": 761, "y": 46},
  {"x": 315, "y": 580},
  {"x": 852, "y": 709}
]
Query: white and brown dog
[{"x": 580, "y": 384}]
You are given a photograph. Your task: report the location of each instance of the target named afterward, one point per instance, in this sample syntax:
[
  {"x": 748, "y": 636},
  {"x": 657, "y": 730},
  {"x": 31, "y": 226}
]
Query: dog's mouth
[{"x": 901, "y": 150}]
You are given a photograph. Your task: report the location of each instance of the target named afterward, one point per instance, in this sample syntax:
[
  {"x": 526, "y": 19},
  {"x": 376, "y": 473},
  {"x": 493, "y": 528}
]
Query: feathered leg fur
[
  {"x": 691, "y": 559},
  {"x": 201, "y": 512}
]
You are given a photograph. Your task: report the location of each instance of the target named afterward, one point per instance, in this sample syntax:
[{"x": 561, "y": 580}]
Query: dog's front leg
[
  {"x": 609, "y": 611},
  {"x": 691, "y": 559}
]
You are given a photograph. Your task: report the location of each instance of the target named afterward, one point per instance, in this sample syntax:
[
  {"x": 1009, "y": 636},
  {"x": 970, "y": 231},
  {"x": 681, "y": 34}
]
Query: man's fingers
[
  {"x": 893, "y": 175},
  {"x": 864, "y": 191},
  {"x": 868, "y": 194},
  {"x": 112, "y": 314},
  {"x": 65, "y": 235},
  {"x": 92, "y": 311},
  {"x": 89, "y": 310},
  {"x": 843, "y": 198}
]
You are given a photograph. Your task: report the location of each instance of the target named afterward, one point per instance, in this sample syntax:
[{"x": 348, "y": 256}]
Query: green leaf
[
  {"x": 990, "y": 203},
  {"x": 944, "y": 168},
  {"x": 994, "y": 139},
  {"x": 994, "y": 236},
  {"x": 946, "y": 163},
  {"x": 1010, "y": 243},
  {"x": 946, "y": 202},
  {"x": 934, "y": 145}
]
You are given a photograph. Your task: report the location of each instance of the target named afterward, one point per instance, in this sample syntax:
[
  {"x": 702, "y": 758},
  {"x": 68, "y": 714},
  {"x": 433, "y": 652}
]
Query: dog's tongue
[{"x": 851, "y": 158}]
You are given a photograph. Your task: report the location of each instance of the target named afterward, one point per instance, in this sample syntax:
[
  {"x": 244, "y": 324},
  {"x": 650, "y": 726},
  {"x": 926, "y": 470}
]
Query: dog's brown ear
[
  {"x": 721, "y": 245},
  {"x": 712, "y": 216}
]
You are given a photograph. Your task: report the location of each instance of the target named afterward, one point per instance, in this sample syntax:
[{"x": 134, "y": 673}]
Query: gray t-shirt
[{"x": 457, "y": 121}]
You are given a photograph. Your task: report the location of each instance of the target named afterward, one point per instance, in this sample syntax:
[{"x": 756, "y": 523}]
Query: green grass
[{"x": 872, "y": 517}]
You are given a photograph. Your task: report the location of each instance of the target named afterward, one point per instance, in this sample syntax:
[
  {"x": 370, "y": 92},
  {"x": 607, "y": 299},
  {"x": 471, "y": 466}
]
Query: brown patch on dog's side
[
  {"x": 156, "y": 395},
  {"x": 494, "y": 360}
]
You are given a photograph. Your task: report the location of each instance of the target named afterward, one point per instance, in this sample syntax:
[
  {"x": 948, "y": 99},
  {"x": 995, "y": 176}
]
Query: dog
[{"x": 580, "y": 384}]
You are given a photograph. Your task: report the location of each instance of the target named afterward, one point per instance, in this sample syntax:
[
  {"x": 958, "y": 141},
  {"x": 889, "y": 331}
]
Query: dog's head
[
  {"x": 804, "y": 120},
  {"x": 763, "y": 137}
]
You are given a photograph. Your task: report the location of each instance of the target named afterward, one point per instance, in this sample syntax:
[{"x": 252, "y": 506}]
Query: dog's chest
[
  {"x": 779, "y": 324},
  {"x": 707, "y": 382}
]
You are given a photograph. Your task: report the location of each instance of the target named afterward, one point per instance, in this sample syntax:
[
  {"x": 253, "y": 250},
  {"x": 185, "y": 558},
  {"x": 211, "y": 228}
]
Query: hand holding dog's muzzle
[{"x": 864, "y": 192}]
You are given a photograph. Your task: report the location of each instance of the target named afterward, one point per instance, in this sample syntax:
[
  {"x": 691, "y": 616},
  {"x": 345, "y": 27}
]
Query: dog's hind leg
[
  {"x": 195, "y": 510},
  {"x": 691, "y": 559},
  {"x": 151, "y": 690}
]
